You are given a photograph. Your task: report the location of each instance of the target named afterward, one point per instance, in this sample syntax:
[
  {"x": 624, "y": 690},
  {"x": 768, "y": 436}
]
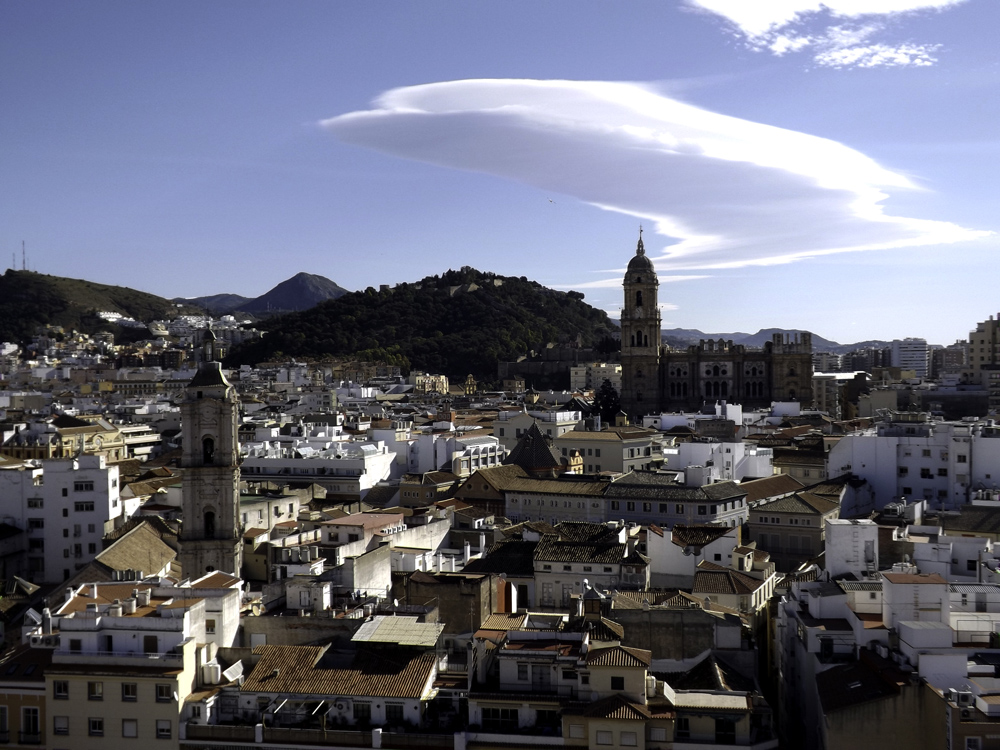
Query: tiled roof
[
  {"x": 697, "y": 535},
  {"x": 140, "y": 549},
  {"x": 613, "y": 707},
  {"x": 551, "y": 550},
  {"x": 511, "y": 556},
  {"x": 555, "y": 487},
  {"x": 389, "y": 673},
  {"x": 533, "y": 452},
  {"x": 913, "y": 578},
  {"x": 801, "y": 503},
  {"x": 577, "y": 531},
  {"x": 504, "y": 621},
  {"x": 724, "y": 581},
  {"x": 778, "y": 484},
  {"x": 619, "y": 656},
  {"x": 709, "y": 674}
]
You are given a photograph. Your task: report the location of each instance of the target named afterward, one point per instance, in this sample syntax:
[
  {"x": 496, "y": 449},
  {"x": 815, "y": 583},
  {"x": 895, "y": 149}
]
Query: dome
[{"x": 641, "y": 261}]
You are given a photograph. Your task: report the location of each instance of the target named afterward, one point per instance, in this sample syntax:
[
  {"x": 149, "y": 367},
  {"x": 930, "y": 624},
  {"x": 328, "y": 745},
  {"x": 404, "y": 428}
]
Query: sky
[{"x": 825, "y": 166}]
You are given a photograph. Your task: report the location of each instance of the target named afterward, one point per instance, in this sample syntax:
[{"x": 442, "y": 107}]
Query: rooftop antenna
[{"x": 24, "y": 263}]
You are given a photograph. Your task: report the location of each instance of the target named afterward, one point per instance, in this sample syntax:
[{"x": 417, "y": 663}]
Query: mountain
[
  {"x": 29, "y": 299},
  {"x": 682, "y": 337},
  {"x": 302, "y": 291},
  {"x": 458, "y": 323},
  {"x": 215, "y": 303}
]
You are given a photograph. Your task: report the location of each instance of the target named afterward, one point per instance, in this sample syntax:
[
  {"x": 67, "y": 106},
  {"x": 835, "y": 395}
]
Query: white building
[
  {"x": 65, "y": 506},
  {"x": 911, "y": 354},
  {"x": 912, "y": 457}
]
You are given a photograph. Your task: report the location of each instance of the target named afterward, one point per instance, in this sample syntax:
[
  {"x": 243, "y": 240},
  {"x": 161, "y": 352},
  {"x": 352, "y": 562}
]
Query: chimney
[
  {"x": 93, "y": 590},
  {"x": 466, "y": 549}
]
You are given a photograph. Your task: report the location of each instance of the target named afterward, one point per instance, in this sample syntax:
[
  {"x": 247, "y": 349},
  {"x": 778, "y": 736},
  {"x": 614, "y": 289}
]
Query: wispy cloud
[
  {"x": 727, "y": 192},
  {"x": 786, "y": 26}
]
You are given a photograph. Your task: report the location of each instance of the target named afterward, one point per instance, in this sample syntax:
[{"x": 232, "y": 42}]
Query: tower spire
[{"x": 640, "y": 250}]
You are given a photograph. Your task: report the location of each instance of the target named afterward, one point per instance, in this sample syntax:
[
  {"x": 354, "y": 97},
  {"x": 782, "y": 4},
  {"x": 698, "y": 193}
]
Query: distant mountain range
[
  {"x": 302, "y": 291},
  {"x": 682, "y": 337}
]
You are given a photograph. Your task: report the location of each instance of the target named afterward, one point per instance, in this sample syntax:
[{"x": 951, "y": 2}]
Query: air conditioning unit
[{"x": 964, "y": 698}]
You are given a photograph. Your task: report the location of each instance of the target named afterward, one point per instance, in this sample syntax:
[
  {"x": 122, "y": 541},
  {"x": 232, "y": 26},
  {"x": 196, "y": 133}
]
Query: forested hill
[
  {"x": 29, "y": 299},
  {"x": 455, "y": 324}
]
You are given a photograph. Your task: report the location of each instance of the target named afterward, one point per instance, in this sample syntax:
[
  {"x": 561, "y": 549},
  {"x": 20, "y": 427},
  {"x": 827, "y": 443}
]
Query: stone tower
[
  {"x": 791, "y": 367},
  {"x": 211, "y": 535},
  {"x": 640, "y": 324}
]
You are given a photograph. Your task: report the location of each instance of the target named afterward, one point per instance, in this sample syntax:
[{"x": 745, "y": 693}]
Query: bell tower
[
  {"x": 640, "y": 323},
  {"x": 211, "y": 534}
]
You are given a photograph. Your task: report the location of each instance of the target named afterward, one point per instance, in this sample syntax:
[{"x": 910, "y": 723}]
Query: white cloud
[
  {"x": 728, "y": 192},
  {"x": 784, "y": 26}
]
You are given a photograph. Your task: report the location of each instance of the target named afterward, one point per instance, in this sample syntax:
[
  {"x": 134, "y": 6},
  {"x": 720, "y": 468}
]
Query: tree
[{"x": 607, "y": 402}]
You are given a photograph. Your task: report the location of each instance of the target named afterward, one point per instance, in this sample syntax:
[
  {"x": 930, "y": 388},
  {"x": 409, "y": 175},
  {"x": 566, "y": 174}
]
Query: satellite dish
[{"x": 688, "y": 551}]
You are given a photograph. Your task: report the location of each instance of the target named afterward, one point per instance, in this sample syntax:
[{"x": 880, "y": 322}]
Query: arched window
[
  {"x": 791, "y": 394},
  {"x": 746, "y": 390},
  {"x": 725, "y": 389},
  {"x": 684, "y": 388},
  {"x": 207, "y": 450},
  {"x": 209, "y": 524},
  {"x": 715, "y": 371},
  {"x": 638, "y": 299},
  {"x": 645, "y": 340},
  {"x": 791, "y": 372},
  {"x": 708, "y": 390},
  {"x": 638, "y": 372},
  {"x": 753, "y": 372}
]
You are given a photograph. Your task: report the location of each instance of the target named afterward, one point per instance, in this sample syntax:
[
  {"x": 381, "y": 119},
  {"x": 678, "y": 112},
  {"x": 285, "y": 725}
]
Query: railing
[
  {"x": 4, "y": 737},
  {"x": 79, "y": 657},
  {"x": 428, "y": 741},
  {"x": 219, "y": 732},
  {"x": 29, "y": 738}
]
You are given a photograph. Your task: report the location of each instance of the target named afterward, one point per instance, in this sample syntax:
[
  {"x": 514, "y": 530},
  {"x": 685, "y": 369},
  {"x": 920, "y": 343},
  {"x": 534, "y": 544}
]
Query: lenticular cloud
[{"x": 726, "y": 192}]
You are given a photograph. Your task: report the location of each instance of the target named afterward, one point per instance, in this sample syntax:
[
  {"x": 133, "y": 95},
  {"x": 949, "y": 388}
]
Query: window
[
  {"x": 576, "y": 731},
  {"x": 617, "y": 683},
  {"x": 92, "y": 548},
  {"x": 95, "y": 727},
  {"x": 597, "y": 453},
  {"x": 500, "y": 719},
  {"x": 210, "y": 627},
  {"x": 926, "y": 453},
  {"x": 682, "y": 729},
  {"x": 970, "y": 565},
  {"x": 588, "y": 568},
  {"x": 31, "y": 727},
  {"x": 84, "y": 506},
  {"x": 942, "y": 472},
  {"x": 130, "y": 692},
  {"x": 522, "y": 671},
  {"x": 663, "y": 508},
  {"x": 614, "y": 505},
  {"x": 36, "y": 523},
  {"x": 630, "y": 505},
  {"x": 95, "y": 690},
  {"x": 60, "y": 690},
  {"x": 604, "y": 737},
  {"x": 569, "y": 674},
  {"x": 647, "y": 507},
  {"x": 362, "y": 711},
  {"x": 961, "y": 459},
  {"x": 130, "y": 728},
  {"x": 627, "y": 739},
  {"x": 83, "y": 486},
  {"x": 679, "y": 510},
  {"x": 725, "y": 731},
  {"x": 903, "y": 471},
  {"x": 35, "y": 502},
  {"x": 394, "y": 713},
  {"x": 608, "y": 569},
  {"x": 925, "y": 473},
  {"x": 60, "y": 725},
  {"x": 164, "y": 693},
  {"x": 163, "y": 729},
  {"x": 701, "y": 510},
  {"x": 657, "y": 734}
]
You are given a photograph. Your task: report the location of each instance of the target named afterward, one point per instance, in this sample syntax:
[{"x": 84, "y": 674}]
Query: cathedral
[
  {"x": 211, "y": 535},
  {"x": 657, "y": 378}
]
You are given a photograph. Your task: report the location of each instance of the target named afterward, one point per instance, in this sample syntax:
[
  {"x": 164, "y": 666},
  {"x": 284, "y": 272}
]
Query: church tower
[
  {"x": 640, "y": 323},
  {"x": 211, "y": 533}
]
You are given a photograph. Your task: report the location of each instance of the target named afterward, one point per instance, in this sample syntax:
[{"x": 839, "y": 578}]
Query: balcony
[
  {"x": 29, "y": 738},
  {"x": 120, "y": 658}
]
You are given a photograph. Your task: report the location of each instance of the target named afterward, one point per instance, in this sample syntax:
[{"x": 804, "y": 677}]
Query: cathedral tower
[
  {"x": 640, "y": 323},
  {"x": 211, "y": 533}
]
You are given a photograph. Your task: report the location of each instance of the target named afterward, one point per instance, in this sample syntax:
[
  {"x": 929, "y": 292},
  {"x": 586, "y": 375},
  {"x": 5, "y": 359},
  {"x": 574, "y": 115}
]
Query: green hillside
[
  {"x": 29, "y": 299},
  {"x": 435, "y": 325}
]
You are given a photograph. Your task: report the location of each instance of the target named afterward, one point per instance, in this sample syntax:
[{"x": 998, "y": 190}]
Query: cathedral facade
[{"x": 657, "y": 378}]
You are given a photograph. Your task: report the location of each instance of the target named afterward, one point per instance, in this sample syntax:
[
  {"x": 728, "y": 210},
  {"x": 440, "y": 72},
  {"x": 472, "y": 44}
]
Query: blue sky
[{"x": 825, "y": 166}]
